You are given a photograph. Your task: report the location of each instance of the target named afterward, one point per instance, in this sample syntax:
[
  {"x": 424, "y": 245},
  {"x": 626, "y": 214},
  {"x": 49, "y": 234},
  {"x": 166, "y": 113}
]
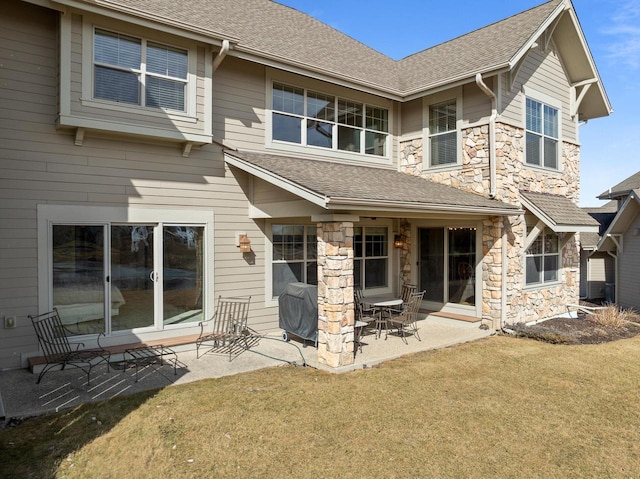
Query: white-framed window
[
  {"x": 135, "y": 71},
  {"x": 443, "y": 133},
  {"x": 294, "y": 256},
  {"x": 542, "y": 134},
  {"x": 309, "y": 118},
  {"x": 371, "y": 256},
  {"x": 543, "y": 259}
]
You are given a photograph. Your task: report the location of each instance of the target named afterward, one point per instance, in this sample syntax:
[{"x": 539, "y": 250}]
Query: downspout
[
  {"x": 505, "y": 267},
  {"x": 492, "y": 134},
  {"x": 616, "y": 281},
  {"x": 221, "y": 54}
]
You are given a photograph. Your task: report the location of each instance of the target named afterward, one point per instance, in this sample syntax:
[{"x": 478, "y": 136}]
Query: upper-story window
[
  {"x": 542, "y": 134},
  {"x": 139, "y": 72},
  {"x": 309, "y": 118},
  {"x": 443, "y": 135}
]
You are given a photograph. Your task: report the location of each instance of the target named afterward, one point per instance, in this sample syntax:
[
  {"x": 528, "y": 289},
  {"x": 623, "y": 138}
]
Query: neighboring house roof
[
  {"x": 624, "y": 218},
  {"x": 623, "y": 188},
  {"x": 604, "y": 216},
  {"x": 558, "y": 213},
  {"x": 266, "y": 31},
  {"x": 335, "y": 186}
]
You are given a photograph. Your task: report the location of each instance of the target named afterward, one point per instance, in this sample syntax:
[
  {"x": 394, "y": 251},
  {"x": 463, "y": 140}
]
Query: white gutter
[
  {"x": 492, "y": 134},
  {"x": 505, "y": 267},
  {"x": 221, "y": 54}
]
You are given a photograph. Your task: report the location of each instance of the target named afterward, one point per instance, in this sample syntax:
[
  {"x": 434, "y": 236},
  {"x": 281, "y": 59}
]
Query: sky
[{"x": 612, "y": 28}]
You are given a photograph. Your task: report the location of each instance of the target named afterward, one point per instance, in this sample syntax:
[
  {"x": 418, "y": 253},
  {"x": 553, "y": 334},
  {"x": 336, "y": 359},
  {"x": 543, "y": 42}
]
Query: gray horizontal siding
[{"x": 41, "y": 165}]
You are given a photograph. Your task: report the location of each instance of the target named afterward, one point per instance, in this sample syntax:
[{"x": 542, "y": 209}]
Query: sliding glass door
[
  {"x": 125, "y": 277},
  {"x": 447, "y": 265}
]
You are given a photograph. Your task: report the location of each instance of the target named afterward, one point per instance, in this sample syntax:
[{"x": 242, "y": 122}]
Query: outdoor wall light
[
  {"x": 244, "y": 243},
  {"x": 398, "y": 241}
]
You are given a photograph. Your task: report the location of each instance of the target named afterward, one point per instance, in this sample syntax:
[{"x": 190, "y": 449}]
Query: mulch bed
[{"x": 581, "y": 330}]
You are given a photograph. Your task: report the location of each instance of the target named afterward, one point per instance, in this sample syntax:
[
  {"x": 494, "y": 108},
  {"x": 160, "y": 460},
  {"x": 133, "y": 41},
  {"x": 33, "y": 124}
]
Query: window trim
[
  {"x": 363, "y": 259},
  {"x": 189, "y": 115},
  {"x": 544, "y": 100},
  {"x": 308, "y": 228},
  {"x": 302, "y": 147},
  {"x": 449, "y": 95},
  {"x": 543, "y": 284}
]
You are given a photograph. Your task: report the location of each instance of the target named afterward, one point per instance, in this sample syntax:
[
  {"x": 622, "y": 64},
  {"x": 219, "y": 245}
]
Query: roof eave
[{"x": 401, "y": 206}]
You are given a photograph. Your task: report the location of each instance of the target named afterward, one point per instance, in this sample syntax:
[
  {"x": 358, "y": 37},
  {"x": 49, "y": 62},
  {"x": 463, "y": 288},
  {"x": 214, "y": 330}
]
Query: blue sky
[{"x": 612, "y": 29}]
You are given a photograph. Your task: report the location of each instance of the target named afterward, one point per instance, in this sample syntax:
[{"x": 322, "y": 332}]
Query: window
[
  {"x": 139, "y": 72},
  {"x": 542, "y": 128},
  {"x": 371, "y": 257},
  {"x": 311, "y": 118},
  {"x": 294, "y": 256},
  {"x": 543, "y": 259},
  {"x": 443, "y": 136}
]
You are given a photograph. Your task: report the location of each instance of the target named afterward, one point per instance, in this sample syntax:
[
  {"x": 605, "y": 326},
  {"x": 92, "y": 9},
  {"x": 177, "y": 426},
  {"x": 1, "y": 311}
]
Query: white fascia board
[
  {"x": 400, "y": 207},
  {"x": 616, "y": 226},
  {"x": 279, "y": 181},
  {"x": 536, "y": 36}
]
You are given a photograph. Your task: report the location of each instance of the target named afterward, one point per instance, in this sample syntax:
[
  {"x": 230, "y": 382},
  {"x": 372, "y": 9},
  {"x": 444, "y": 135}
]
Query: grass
[{"x": 501, "y": 407}]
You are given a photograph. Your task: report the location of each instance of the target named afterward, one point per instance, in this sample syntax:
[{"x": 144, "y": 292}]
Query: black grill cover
[{"x": 298, "y": 306}]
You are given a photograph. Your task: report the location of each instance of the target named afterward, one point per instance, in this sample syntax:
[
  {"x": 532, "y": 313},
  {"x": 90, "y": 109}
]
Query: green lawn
[{"x": 496, "y": 408}]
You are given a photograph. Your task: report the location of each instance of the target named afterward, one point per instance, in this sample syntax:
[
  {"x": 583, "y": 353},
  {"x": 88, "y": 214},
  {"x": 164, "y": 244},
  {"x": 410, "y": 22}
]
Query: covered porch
[{"x": 350, "y": 226}]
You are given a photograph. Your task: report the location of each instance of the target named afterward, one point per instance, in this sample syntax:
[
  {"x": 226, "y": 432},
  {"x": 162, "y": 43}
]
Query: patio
[{"x": 20, "y": 396}]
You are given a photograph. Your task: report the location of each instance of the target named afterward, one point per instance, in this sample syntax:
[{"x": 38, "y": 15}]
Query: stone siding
[
  {"x": 512, "y": 176},
  {"x": 336, "y": 316}
]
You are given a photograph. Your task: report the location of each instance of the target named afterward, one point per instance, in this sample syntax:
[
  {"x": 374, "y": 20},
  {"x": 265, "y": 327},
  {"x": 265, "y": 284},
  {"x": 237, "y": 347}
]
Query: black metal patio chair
[{"x": 53, "y": 338}]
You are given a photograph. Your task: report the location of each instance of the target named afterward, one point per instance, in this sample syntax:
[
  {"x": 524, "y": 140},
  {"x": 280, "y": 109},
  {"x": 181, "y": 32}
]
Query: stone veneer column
[{"x": 336, "y": 316}]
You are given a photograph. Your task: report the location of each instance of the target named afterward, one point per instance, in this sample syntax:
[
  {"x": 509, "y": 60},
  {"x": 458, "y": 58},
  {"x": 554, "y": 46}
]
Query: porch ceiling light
[
  {"x": 244, "y": 243},
  {"x": 398, "y": 241}
]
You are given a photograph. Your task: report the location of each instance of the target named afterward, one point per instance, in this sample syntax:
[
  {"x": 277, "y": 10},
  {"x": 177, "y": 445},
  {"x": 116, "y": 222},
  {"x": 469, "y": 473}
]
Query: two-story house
[{"x": 157, "y": 154}]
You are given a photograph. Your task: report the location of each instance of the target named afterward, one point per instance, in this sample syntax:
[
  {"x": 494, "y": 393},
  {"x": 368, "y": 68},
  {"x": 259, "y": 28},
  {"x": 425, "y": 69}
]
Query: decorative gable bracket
[{"x": 578, "y": 92}]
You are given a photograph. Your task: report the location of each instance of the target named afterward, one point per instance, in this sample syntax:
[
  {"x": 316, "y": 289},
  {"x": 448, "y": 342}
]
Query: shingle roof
[
  {"x": 346, "y": 184},
  {"x": 603, "y": 215},
  {"x": 267, "y": 28},
  {"x": 482, "y": 50},
  {"x": 561, "y": 211},
  {"x": 623, "y": 188}
]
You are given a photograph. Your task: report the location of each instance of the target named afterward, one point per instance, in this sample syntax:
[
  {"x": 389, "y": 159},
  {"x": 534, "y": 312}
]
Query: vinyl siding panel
[
  {"x": 476, "y": 104},
  {"x": 239, "y": 104},
  {"x": 542, "y": 72},
  {"x": 629, "y": 264},
  {"x": 41, "y": 165},
  {"x": 412, "y": 116}
]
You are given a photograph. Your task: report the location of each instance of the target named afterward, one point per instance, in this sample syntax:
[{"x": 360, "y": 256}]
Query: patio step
[
  {"x": 36, "y": 363},
  {"x": 452, "y": 318}
]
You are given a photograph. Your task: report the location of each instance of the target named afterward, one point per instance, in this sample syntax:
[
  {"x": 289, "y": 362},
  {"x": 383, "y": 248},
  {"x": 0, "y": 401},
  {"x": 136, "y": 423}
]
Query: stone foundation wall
[{"x": 512, "y": 176}]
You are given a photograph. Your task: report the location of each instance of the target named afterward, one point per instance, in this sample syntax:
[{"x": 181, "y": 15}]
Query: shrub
[{"x": 614, "y": 317}]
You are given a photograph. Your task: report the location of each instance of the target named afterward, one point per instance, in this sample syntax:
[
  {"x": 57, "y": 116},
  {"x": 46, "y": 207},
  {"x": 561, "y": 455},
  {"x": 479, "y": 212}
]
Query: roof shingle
[{"x": 342, "y": 183}]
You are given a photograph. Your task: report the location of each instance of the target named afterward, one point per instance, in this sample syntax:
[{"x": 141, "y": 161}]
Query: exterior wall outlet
[{"x": 9, "y": 322}]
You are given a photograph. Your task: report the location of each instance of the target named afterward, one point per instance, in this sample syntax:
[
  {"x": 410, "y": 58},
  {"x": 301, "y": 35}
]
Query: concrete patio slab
[{"x": 20, "y": 396}]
